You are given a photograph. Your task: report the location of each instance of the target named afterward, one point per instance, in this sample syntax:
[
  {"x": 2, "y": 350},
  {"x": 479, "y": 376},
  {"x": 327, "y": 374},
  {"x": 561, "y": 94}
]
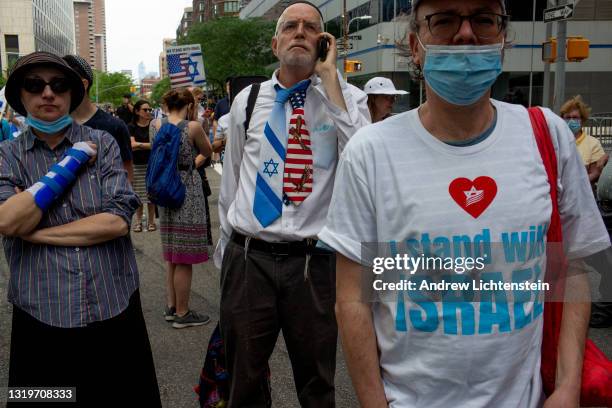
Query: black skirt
[{"x": 109, "y": 362}]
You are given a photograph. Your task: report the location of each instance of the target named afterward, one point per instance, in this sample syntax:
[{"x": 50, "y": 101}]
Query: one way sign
[{"x": 558, "y": 13}]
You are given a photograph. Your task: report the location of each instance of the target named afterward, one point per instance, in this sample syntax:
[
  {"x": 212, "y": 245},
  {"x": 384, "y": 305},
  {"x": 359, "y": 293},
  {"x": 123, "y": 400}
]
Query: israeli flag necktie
[{"x": 285, "y": 158}]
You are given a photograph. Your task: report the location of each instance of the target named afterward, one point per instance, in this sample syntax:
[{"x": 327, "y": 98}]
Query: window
[
  {"x": 524, "y": 12},
  {"x": 216, "y": 10},
  {"x": 201, "y": 17},
  {"x": 201, "y": 6},
  {"x": 11, "y": 43},
  {"x": 231, "y": 7}
]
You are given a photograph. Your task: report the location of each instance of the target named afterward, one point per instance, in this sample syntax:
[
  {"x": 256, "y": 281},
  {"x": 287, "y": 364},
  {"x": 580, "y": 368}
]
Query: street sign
[
  {"x": 340, "y": 46},
  {"x": 354, "y": 37},
  {"x": 559, "y": 13}
]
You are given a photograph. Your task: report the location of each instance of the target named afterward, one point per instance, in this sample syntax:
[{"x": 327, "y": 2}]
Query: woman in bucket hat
[{"x": 65, "y": 208}]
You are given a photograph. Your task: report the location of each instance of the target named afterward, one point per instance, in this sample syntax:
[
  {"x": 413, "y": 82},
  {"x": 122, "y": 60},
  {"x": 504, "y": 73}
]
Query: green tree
[
  {"x": 232, "y": 46},
  {"x": 111, "y": 86},
  {"x": 159, "y": 89},
  {"x": 2, "y": 81}
]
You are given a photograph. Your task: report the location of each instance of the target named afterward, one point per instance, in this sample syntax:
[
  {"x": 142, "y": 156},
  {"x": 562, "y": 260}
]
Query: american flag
[{"x": 185, "y": 69}]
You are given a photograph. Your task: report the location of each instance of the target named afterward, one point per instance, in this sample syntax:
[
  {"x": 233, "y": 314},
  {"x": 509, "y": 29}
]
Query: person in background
[
  {"x": 202, "y": 162},
  {"x": 65, "y": 209},
  {"x": 125, "y": 112},
  {"x": 16, "y": 121},
  {"x": 183, "y": 230},
  {"x": 141, "y": 147},
  {"x": 576, "y": 113},
  {"x": 88, "y": 114},
  {"x": 221, "y": 108},
  {"x": 381, "y": 97},
  {"x": 5, "y": 130},
  {"x": 218, "y": 145}
]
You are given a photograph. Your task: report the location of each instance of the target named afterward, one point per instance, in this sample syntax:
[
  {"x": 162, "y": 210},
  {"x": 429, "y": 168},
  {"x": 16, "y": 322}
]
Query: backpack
[{"x": 164, "y": 185}]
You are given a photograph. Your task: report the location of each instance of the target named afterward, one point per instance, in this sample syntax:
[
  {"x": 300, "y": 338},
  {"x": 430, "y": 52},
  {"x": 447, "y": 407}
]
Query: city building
[
  {"x": 206, "y": 10},
  {"x": 146, "y": 86},
  {"x": 141, "y": 70},
  {"x": 127, "y": 72},
  {"x": 90, "y": 32},
  {"x": 186, "y": 21},
  {"x": 35, "y": 25},
  {"x": 380, "y": 44},
  {"x": 163, "y": 63}
]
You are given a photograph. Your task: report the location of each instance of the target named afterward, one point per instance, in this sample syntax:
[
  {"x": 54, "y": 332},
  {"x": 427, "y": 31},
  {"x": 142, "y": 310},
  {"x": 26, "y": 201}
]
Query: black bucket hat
[{"x": 41, "y": 59}]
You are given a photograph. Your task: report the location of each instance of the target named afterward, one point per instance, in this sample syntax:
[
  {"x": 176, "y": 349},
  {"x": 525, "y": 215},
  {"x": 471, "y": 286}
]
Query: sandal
[
  {"x": 152, "y": 227},
  {"x": 137, "y": 228}
]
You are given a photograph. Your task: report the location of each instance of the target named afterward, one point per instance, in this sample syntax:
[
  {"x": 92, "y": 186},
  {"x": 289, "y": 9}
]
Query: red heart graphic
[{"x": 473, "y": 196}]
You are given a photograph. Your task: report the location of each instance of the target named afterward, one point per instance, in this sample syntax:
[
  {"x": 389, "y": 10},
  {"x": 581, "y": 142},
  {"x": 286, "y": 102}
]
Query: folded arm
[{"x": 87, "y": 231}]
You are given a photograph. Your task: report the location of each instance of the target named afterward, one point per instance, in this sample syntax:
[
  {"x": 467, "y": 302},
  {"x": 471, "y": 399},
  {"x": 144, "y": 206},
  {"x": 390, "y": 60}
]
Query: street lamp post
[{"x": 346, "y": 34}]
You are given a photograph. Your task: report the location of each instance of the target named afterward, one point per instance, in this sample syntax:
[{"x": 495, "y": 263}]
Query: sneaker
[
  {"x": 170, "y": 313},
  {"x": 191, "y": 318}
]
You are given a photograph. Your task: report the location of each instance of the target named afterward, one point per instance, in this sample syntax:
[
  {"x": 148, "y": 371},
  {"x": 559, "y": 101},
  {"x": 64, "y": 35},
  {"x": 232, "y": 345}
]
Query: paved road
[{"x": 179, "y": 353}]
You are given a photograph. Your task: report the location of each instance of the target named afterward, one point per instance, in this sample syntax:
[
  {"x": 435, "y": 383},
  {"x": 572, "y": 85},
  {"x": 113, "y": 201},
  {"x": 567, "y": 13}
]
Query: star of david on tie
[
  {"x": 284, "y": 173},
  {"x": 297, "y": 178}
]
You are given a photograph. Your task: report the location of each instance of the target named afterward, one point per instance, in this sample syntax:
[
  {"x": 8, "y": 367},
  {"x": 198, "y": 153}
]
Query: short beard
[{"x": 298, "y": 60}]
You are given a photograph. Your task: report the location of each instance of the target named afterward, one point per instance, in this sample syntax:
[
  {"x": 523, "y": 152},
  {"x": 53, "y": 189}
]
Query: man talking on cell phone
[{"x": 277, "y": 183}]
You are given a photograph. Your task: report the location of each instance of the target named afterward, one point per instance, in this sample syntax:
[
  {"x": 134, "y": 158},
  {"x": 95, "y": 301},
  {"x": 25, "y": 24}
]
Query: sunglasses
[
  {"x": 147, "y": 109},
  {"x": 38, "y": 85}
]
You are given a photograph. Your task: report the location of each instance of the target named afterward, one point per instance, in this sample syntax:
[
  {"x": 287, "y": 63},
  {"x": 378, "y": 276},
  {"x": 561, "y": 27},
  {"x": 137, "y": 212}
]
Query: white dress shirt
[{"x": 330, "y": 128}]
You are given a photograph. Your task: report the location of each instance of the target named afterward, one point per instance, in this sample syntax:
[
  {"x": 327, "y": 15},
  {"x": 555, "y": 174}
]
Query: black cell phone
[{"x": 323, "y": 48}]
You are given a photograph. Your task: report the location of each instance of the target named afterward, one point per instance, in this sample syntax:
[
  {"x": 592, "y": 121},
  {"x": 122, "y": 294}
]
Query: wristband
[{"x": 60, "y": 176}]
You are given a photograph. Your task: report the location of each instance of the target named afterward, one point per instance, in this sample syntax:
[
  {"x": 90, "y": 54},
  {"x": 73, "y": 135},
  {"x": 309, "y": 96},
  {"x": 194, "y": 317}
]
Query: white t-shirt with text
[{"x": 396, "y": 183}]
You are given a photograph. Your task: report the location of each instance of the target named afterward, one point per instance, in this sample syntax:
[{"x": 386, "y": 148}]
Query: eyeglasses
[
  {"x": 37, "y": 85},
  {"x": 147, "y": 109},
  {"x": 445, "y": 25},
  {"x": 291, "y": 26}
]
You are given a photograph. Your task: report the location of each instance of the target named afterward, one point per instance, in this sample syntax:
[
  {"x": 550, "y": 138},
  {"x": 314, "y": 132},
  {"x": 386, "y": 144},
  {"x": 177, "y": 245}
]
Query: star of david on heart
[{"x": 473, "y": 196}]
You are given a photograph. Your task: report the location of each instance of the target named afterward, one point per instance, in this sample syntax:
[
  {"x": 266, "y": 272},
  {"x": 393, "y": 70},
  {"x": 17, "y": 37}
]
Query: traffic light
[
  {"x": 549, "y": 50},
  {"x": 352, "y": 66},
  {"x": 577, "y": 48}
]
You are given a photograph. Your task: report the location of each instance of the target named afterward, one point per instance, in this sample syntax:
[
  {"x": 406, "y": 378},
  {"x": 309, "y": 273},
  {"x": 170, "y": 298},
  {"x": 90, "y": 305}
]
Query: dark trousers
[
  {"x": 261, "y": 294},
  {"x": 109, "y": 362}
]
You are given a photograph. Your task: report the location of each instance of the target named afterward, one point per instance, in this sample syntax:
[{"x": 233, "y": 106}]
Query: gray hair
[{"x": 281, "y": 19}]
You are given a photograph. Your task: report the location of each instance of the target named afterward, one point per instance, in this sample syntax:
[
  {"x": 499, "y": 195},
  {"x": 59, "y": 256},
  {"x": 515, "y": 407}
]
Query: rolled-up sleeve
[
  {"x": 118, "y": 197},
  {"x": 354, "y": 118},
  {"x": 9, "y": 175}
]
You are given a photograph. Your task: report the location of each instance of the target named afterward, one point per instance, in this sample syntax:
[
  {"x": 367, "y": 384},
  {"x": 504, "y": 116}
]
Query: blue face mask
[
  {"x": 48, "y": 127},
  {"x": 462, "y": 74},
  {"x": 574, "y": 125}
]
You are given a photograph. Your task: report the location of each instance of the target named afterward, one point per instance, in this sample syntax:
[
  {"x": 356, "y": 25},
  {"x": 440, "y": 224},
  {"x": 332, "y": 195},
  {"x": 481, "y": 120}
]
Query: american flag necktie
[
  {"x": 270, "y": 190},
  {"x": 297, "y": 178}
]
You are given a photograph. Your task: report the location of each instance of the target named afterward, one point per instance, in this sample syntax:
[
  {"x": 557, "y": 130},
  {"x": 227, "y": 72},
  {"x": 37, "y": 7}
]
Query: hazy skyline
[{"x": 135, "y": 30}]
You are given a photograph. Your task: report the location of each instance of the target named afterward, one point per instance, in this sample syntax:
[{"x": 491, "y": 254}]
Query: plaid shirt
[{"x": 70, "y": 286}]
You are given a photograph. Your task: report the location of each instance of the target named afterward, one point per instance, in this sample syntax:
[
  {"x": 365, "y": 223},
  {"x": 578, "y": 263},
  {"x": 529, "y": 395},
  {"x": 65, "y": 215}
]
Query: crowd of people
[{"x": 314, "y": 169}]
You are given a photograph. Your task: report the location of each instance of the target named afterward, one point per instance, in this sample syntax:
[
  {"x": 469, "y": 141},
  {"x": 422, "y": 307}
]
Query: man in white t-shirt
[{"x": 461, "y": 173}]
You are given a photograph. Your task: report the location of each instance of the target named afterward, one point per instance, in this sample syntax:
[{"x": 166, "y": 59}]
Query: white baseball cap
[{"x": 381, "y": 86}]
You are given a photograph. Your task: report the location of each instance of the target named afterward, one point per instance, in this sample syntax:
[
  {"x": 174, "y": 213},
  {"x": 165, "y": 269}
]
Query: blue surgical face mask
[
  {"x": 462, "y": 74},
  {"x": 574, "y": 125},
  {"x": 48, "y": 127}
]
